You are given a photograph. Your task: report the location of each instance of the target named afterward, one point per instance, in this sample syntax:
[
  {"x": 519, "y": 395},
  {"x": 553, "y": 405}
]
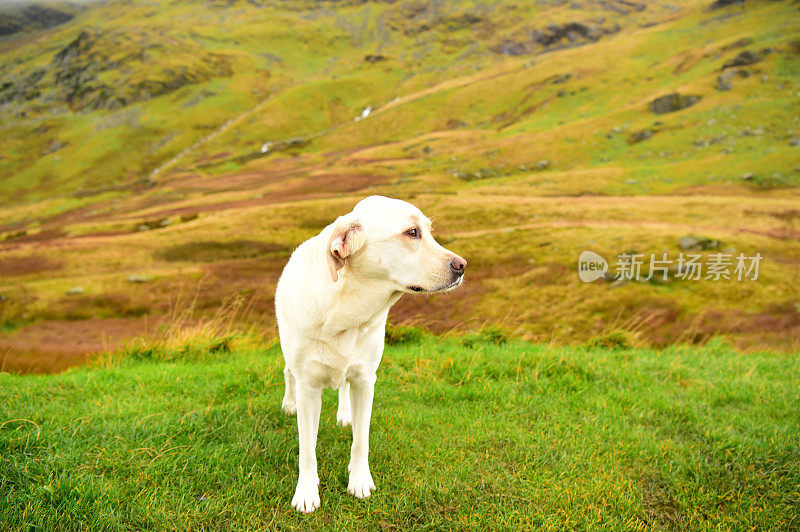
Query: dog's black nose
[{"x": 458, "y": 265}]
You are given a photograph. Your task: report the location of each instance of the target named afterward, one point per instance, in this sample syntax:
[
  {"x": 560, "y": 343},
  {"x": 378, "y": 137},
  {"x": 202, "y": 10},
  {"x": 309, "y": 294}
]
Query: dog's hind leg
[
  {"x": 344, "y": 415},
  {"x": 289, "y": 402}
]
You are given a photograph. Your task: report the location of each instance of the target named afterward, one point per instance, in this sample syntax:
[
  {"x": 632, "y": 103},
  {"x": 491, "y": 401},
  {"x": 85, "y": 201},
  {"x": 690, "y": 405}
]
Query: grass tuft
[
  {"x": 403, "y": 334},
  {"x": 612, "y": 340}
]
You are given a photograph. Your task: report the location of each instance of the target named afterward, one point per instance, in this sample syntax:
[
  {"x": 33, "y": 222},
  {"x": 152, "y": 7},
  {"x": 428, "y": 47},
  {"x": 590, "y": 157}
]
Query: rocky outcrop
[
  {"x": 552, "y": 36},
  {"x": 108, "y": 70},
  {"x": 571, "y": 32},
  {"x": 743, "y": 59},
  {"x": 673, "y": 102}
]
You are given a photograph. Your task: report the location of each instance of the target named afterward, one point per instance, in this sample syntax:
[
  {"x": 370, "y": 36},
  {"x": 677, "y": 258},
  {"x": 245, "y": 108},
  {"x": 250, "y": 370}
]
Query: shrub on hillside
[
  {"x": 400, "y": 334},
  {"x": 491, "y": 334},
  {"x": 612, "y": 340}
]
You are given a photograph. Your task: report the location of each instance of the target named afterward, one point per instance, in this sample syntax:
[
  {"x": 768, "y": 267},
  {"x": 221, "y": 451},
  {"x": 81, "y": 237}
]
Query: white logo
[{"x": 591, "y": 266}]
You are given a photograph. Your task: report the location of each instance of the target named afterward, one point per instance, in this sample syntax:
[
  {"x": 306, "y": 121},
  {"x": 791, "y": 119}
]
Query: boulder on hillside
[
  {"x": 725, "y": 80},
  {"x": 743, "y": 59},
  {"x": 673, "y": 102},
  {"x": 698, "y": 243},
  {"x": 639, "y": 136},
  {"x": 374, "y": 58}
]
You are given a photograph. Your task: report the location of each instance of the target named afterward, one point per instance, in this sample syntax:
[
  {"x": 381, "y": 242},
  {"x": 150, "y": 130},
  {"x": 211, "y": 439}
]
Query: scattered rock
[
  {"x": 748, "y": 176},
  {"x": 698, "y": 243},
  {"x": 673, "y": 102},
  {"x": 747, "y": 132},
  {"x": 374, "y": 58},
  {"x": 153, "y": 224},
  {"x": 75, "y": 290},
  {"x": 639, "y": 136},
  {"x": 543, "y": 164},
  {"x": 54, "y": 146},
  {"x": 138, "y": 278},
  {"x": 743, "y": 59},
  {"x": 511, "y": 48},
  {"x": 281, "y": 145},
  {"x": 725, "y": 80},
  {"x": 795, "y": 142}
]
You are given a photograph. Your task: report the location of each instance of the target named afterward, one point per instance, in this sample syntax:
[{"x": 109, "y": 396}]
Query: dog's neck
[{"x": 358, "y": 297}]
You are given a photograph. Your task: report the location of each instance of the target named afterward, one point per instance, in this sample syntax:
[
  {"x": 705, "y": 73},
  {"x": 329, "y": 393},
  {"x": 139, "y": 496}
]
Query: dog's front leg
[
  {"x": 309, "y": 402},
  {"x": 362, "y": 391}
]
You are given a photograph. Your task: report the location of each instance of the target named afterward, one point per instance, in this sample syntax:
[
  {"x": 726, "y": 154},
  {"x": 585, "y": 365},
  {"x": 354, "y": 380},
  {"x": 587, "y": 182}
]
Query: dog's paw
[
  {"x": 289, "y": 408},
  {"x": 306, "y": 497},
  {"x": 344, "y": 417},
  {"x": 361, "y": 484}
]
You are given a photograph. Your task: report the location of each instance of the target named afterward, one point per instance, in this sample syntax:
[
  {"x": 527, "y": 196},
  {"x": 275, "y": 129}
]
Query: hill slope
[{"x": 192, "y": 146}]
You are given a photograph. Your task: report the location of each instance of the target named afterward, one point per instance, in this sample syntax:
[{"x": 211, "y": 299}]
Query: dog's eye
[{"x": 413, "y": 232}]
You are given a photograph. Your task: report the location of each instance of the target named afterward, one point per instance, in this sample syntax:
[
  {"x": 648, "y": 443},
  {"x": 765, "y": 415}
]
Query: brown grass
[
  {"x": 28, "y": 264},
  {"x": 53, "y": 346}
]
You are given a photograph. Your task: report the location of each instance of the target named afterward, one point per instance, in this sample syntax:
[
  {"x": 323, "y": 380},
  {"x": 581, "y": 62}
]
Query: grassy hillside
[
  {"x": 155, "y": 152},
  {"x": 477, "y": 432}
]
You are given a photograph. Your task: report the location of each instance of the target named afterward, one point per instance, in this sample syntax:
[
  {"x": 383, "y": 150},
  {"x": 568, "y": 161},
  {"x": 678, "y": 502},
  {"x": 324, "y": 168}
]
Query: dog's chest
[{"x": 352, "y": 352}]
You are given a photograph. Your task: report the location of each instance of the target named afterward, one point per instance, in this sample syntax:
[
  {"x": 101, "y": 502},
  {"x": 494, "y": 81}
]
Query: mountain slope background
[{"x": 163, "y": 155}]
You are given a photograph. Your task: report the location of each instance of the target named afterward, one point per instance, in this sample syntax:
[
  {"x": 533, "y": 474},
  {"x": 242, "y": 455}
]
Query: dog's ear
[{"x": 347, "y": 238}]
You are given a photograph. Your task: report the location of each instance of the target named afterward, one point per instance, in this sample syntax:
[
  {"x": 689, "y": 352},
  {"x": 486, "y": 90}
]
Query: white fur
[{"x": 331, "y": 302}]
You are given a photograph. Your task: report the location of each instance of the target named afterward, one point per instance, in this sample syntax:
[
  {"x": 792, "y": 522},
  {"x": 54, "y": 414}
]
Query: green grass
[{"x": 484, "y": 432}]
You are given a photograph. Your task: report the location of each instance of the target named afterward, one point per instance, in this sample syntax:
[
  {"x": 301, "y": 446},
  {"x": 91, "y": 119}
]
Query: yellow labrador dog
[{"x": 332, "y": 301}]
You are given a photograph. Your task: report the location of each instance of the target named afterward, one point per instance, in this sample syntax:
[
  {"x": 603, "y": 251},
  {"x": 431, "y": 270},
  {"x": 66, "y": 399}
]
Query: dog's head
[{"x": 391, "y": 240}]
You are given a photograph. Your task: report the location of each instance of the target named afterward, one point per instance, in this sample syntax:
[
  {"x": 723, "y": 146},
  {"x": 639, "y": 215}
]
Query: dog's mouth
[{"x": 445, "y": 288}]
